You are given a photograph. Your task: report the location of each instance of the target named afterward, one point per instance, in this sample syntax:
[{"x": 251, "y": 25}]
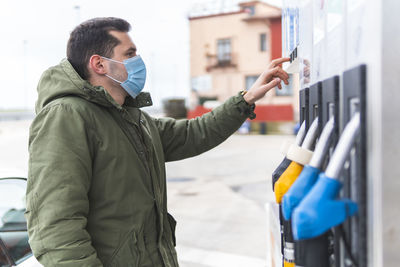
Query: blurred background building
[{"x": 229, "y": 48}]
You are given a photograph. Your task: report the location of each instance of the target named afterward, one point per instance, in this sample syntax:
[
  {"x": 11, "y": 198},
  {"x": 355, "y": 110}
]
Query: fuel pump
[
  {"x": 281, "y": 169},
  {"x": 299, "y": 156},
  {"x": 310, "y": 172},
  {"x": 318, "y": 247},
  {"x": 320, "y": 209}
]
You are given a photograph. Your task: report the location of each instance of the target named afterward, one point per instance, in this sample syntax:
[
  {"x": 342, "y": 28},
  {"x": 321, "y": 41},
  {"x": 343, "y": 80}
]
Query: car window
[
  {"x": 13, "y": 231},
  {"x": 16, "y": 244},
  {"x": 4, "y": 261},
  {"x": 12, "y": 204}
]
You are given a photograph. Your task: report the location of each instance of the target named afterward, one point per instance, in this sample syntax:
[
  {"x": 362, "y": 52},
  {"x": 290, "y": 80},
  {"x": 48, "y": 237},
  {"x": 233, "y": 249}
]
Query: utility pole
[
  {"x": 25, "y": 84},
  {"x": 78, "y": 14}
]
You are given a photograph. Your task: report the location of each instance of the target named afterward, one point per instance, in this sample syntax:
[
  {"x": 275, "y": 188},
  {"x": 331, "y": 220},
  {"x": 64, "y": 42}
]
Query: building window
[
  {"x": 250, "y": 80},
  {"x": 224, "y": 52},
  {"x": 250, "y": 10},
  {"x": 263, "y": 42}
]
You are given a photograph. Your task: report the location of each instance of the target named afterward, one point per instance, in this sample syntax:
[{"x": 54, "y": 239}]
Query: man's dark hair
[{"x": 93, "y": 37}]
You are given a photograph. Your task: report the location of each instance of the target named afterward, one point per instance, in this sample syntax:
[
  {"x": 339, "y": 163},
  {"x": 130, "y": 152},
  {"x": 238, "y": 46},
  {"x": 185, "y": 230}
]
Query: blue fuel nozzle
[
  {"x": 298, "y": 190},
  {"x": 320, "y": 210}
]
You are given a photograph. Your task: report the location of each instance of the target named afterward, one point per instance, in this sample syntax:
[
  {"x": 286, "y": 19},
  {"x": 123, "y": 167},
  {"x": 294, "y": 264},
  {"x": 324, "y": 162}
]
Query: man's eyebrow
[{"x": 131, "y": 49}]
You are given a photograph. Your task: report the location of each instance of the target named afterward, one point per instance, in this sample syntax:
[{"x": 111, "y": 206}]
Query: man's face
[{"x": 126, "y": 49}]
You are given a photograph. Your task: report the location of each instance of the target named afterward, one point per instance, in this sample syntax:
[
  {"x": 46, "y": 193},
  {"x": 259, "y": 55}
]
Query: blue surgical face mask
[{"x": 136, "y": 70}]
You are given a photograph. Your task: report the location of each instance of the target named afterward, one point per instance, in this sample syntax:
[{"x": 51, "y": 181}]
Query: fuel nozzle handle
[
  {"x": 309, "y": 175},
  {"x": 286, "y": 162},
  {"x": 320, "y": 209}
]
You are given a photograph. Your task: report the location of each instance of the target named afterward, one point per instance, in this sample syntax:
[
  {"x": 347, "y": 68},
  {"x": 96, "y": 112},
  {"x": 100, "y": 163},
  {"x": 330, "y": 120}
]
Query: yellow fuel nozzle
[
  {"x": 288, "y": 264},
  {"x": 299, "y": 156},
  {"x": 286, "y": 180}
]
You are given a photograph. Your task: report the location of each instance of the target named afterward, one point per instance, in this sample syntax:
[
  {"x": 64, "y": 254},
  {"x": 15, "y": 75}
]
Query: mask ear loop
[
  {"x": 113, "y": 60},
  {"x": 115, "y": 80},
  {"x": 116, "y": 61}
]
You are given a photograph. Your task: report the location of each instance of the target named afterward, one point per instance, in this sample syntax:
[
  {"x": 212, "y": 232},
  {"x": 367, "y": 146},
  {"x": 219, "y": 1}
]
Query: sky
[{"x": 34, "y": 35}]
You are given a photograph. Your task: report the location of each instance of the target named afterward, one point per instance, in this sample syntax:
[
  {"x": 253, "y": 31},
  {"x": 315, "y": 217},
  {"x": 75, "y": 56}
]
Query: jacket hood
[{"x": 62, "y": 80}]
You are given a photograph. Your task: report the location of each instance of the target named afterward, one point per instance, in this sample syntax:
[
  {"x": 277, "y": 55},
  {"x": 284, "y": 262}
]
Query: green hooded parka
[{"x": 96, "y": 193}]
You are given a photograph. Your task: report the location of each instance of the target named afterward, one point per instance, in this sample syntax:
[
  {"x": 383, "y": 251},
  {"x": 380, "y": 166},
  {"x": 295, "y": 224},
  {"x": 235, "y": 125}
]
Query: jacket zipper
[{"x": 155, "y": 185}]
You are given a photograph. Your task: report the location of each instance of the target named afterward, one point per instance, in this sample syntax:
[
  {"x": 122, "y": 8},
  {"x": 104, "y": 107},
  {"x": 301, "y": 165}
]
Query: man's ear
[{"x": 96, "y": 64}]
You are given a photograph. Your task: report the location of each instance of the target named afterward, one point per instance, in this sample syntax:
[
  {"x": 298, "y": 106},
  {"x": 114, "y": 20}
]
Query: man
[{"x": 96, "y": 191}]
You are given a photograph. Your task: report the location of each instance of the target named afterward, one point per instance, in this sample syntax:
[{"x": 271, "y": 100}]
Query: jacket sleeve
[
  {"x": 187, "y": 138},
  {"x": 60, "y": 162}
]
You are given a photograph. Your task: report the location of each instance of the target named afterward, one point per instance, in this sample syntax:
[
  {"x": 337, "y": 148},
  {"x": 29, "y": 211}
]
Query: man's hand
[{"x": 270, "y": 78}]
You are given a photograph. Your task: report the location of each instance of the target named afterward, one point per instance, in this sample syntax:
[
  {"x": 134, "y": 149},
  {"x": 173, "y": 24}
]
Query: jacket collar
[{"x": 99, "y": 95}]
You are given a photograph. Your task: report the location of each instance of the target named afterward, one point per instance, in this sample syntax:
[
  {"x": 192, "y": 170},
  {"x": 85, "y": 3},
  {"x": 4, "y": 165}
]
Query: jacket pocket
[
  {"x": 127, "y": 254},
  {"x": 172, "y": 224}
]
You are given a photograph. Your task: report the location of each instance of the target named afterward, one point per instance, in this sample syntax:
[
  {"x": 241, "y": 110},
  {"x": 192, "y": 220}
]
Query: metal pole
[
  {"x": 78, "y": 14},
  {"x": 25, "y": 84}
]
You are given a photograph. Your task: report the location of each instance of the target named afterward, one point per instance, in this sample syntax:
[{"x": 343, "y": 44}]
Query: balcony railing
[{"x": 227, "y": 60}]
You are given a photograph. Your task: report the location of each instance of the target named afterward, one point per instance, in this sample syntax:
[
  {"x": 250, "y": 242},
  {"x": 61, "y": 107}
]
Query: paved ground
[
  {"x": 219, "y": 205},
  {"x": 217, "y": 198}
]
